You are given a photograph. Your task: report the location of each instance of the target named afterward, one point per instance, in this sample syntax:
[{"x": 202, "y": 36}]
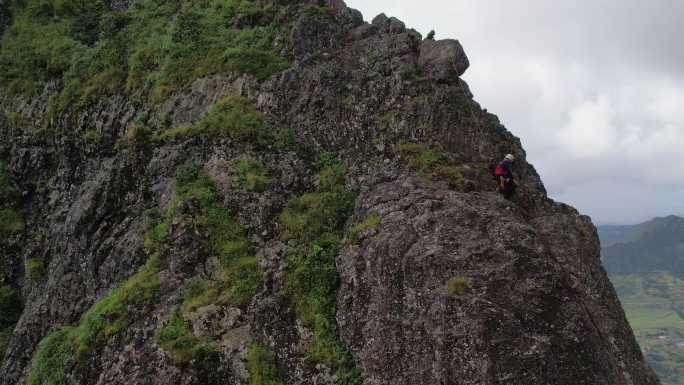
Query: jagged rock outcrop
[
  {"x": 443, "y": 58},
  {"x": 532, "y": 309},
  {"x": 193, "y": 238}
]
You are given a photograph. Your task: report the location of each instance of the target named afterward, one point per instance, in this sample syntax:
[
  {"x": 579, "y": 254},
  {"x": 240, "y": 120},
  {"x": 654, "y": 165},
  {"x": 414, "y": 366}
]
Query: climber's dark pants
[{"x": 509, "y": 189}]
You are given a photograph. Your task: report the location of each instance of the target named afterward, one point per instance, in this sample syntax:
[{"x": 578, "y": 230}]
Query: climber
[{"x": 505, "y": 178}]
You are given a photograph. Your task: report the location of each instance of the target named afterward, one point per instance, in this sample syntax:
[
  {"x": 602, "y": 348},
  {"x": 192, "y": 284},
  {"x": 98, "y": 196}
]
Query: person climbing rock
[{"x": 505, "y": 177}]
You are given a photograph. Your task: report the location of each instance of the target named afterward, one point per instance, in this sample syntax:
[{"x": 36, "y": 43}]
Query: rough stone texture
[
  {"x": 541, "y": 310},
  {"x": 442, "y": 59}
]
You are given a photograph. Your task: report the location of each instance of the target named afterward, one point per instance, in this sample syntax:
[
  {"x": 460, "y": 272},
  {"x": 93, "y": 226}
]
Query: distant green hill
[
  {"x": 656, "y": 245},
  {"x": 645, "y": 263},
  {"x": 653, "y": 303}
]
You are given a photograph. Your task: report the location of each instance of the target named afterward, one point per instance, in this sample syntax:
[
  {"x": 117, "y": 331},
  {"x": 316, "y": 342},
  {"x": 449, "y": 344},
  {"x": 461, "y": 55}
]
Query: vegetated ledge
[{"x": 241, "y": 186}]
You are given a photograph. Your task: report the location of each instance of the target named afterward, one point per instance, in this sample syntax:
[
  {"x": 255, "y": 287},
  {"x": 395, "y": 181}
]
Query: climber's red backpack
[{"x": 500, "y": 170}]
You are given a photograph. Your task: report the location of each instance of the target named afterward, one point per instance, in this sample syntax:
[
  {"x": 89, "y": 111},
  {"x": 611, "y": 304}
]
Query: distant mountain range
[
  {"x": 653, "y": 246},
  {"x": 645, "y": 263}
]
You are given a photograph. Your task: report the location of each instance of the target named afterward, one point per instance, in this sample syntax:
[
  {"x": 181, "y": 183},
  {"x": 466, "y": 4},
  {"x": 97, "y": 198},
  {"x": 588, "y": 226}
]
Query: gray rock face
[
  {"x": 442, "y": 59},
  {"x": 452, "y": 287},
  {"x": 535, "y": 309}
]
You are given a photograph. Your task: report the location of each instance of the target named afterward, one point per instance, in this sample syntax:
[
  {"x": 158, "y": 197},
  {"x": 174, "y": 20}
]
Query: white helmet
[{"x": 509, "y": 157}]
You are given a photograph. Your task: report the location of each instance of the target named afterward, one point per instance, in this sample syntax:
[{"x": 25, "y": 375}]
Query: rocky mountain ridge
[
  {"x": 320, "y": 212},
  {"x": 653, "y": 246}
]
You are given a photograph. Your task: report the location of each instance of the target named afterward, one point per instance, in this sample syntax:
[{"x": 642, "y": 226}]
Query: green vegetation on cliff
[
  {"x": 429, "y": 163},
  {"x": 10, "y": 311},
  {"x": 239, "y": 277},
  {"x": 11, "y": 220},
  {"x": 262, "y": 366},
  {"x": 235, "y": 283},
  {"x": 157, "y": 46},
  {"x": 234, "y": 117},
  {"x": 52, "y": 356},
  {"x": 316, "y": 220},
  {"x": 11, "y": 223},
  {"x": 35, "y": 269},
  {"x": 177, "y": 339},
  {"x": 113, "y": 313},
  {"x": 251, "y": 175},
  {"x": 109, "y": 316}
]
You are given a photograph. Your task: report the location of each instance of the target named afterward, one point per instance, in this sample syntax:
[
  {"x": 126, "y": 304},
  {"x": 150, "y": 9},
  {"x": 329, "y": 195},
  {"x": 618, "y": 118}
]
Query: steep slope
[{"x": 273, "y": 192}]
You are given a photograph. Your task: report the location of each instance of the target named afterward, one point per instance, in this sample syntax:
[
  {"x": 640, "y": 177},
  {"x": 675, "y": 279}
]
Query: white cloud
[
  {"x": 590, "y": 131},
  {"x": 594, "y": 89}
]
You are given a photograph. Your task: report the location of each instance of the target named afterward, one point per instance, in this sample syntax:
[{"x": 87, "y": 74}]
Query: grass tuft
[
  {"x": 262, "y": 366},
  {"x": 372, "y": 221},
  {"x": 52, "y": 356},
  {"x": 234, "y": 117},
  {"x": 35, "y": 269},
  {"x": 251, "y": 175},
  {"x": 459, "y": 285},
  {"x": 429, "y": 163},
  {"x": 11, "y": 220},
  {"x": 177, "y": 340}
]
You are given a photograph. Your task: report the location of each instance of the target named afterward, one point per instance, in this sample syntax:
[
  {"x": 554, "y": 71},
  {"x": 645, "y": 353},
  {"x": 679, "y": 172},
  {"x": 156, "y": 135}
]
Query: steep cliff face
[{"x": 277, "y": 192}]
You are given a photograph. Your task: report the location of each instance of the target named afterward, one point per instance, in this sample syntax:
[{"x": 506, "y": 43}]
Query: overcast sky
[{"x": 594, "y": 89}]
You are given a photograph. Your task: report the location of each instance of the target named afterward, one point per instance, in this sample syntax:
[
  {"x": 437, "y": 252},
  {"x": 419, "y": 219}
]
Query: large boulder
[{"x": 443, "y": 59}]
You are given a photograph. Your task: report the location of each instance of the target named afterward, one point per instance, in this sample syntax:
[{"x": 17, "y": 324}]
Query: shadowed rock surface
[
  {"x": 533, "y": 311},
  {"x": 127, "y": 258}
]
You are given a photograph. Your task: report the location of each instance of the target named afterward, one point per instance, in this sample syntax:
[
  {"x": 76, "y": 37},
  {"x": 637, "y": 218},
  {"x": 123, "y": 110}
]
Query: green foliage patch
[
  {"x": 138, "y": 139},
  {"x": 429, "y": 163},
  {"x": 17, "y": 120},
  {"x": 317, "y": 221},
  {"x": 11, "y": 220},
  {"x": 156, "y": 46},
  {"x": 35, "y": 269},
  {"x": 237, "y": 280},
  {"x": 372, "y": 221},
  {"x": 52, "y": 356},
  {"x": 459, "y": 285},
  {"x": 239, "y": 277},
  {"x": 262, "y": 366},
  {"x": 177, "y": 339},
  {"x": 251, "y": 175},
  {"x": 10, "y": 311},
  {"x": 111, "y": 315},
  {"x": 313, "y": 214},
  {"x": 234, "y": 117}
]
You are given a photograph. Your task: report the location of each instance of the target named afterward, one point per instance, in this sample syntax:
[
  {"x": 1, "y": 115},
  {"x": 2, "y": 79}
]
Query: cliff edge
[{"x": 276, "y": 192}]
